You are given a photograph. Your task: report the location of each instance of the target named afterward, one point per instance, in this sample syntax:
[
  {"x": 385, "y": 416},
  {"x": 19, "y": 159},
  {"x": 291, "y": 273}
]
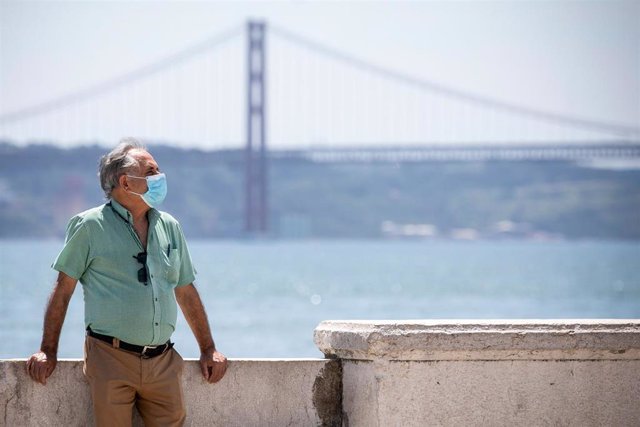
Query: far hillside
[{"x": 42, "y": 186}]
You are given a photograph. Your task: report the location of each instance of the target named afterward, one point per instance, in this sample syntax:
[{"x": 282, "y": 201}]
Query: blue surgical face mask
[{"x": 156, "y": 189}]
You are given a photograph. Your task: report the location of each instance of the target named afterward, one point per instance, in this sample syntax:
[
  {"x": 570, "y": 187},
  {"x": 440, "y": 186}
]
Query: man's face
[{"x": 147, "y": 167}]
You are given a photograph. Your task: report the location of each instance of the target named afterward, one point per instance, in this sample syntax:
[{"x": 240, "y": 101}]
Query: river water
[{"x": 264, "y": 298}]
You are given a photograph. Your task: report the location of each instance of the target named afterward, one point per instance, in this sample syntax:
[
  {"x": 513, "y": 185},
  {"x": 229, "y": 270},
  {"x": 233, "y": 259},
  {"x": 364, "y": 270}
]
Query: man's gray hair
[{"x": 117, "y": 163}]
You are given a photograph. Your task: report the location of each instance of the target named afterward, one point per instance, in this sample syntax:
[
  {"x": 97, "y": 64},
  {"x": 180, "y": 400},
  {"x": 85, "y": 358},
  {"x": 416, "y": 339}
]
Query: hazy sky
[{"x": 580, "y": 58}]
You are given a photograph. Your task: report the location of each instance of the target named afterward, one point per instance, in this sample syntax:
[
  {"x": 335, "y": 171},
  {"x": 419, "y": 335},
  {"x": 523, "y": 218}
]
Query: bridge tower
[{"x": 256, "y": 203}]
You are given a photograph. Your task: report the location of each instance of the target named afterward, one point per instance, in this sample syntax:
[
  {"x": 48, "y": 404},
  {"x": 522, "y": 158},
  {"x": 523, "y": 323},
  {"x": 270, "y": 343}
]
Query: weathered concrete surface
[
  {"x": 492, "y": 393},
  {"x": 260, "y": 392},
  {"x": 414, "y": 373},
  {"x": 589, "y": 339},
  {"x": 488, "y": 373}
]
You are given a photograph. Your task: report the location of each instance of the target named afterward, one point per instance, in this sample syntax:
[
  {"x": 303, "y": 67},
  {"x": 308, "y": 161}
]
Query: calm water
[{"x": 265, "y": 298}]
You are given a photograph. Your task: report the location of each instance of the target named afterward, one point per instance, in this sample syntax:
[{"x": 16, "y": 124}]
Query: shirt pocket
[{"x": 171, "y": 267}]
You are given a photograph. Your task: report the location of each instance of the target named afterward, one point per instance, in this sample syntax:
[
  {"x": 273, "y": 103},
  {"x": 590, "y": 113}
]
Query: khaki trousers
[{"x": 120, "y": 379}]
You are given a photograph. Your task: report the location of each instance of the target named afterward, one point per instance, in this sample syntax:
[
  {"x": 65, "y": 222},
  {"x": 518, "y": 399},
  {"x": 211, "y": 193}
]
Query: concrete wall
[
  {"x": 492, "y": 373},
  {"x": 412, "y": 373},
  {"x": 261, "y": 392}
]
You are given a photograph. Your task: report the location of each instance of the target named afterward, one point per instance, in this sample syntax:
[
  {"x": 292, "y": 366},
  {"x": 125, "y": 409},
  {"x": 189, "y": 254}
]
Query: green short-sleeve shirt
[{"x": 100, "y": 249}]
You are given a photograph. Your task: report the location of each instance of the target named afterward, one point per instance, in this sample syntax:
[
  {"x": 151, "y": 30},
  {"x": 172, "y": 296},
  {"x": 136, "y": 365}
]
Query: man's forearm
[
  {"x": 196, "y": 317},
  {"x": 42, "y": 363},
  {"x": 54, "y": 318},
  {"x": 212, "y": 363}
]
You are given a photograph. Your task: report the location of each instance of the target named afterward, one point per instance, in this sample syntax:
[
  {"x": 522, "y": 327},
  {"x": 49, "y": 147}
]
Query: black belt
[{"x": 146, "y": 351}]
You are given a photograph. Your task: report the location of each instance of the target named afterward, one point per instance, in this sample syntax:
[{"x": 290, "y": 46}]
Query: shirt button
[
  {"x": 152, "y": 276},
  {"x": 156, "y": 299},
  {"x": 156, "y": 323}
]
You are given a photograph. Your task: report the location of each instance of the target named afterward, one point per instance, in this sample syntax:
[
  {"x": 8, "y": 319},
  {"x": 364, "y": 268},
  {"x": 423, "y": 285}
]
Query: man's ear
[{"x": 123, "y": 182}]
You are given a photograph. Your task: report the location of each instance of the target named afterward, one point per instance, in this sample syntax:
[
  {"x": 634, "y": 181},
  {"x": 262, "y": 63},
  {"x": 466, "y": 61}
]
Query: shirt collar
[{"x": 153, "y": 213}]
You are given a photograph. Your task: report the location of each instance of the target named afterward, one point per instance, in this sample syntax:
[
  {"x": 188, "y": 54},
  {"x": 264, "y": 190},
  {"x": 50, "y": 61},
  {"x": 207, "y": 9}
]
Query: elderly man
[{"x": 133, "y": 263}]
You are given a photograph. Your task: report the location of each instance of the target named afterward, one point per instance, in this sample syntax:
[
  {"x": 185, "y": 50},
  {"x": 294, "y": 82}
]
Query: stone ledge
[{"x": 416, "y": 340}]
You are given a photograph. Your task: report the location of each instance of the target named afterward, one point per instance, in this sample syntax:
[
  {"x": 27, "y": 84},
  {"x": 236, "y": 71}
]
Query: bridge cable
[
  {"x": 629, "y": 131},
  {"x": 124, "y": 79}
]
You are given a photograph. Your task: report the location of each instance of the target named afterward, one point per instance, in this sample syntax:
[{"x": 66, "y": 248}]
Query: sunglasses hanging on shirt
[{"x": 142, "y": 273}]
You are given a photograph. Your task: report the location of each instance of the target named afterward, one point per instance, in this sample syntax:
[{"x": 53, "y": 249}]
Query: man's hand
[
  {"x": 40, "y": 366},
  {"x": 213, "y": 365}
]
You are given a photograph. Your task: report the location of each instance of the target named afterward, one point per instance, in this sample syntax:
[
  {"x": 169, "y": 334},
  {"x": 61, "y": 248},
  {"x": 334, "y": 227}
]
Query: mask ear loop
[{"x": 133, "y": 192}]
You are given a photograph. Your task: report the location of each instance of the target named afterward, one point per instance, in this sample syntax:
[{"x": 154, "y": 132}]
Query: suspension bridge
[{"x": 275, "y": 93}]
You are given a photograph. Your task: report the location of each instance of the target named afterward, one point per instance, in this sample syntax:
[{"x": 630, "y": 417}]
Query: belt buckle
[{"x": 148, "y": 347}]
